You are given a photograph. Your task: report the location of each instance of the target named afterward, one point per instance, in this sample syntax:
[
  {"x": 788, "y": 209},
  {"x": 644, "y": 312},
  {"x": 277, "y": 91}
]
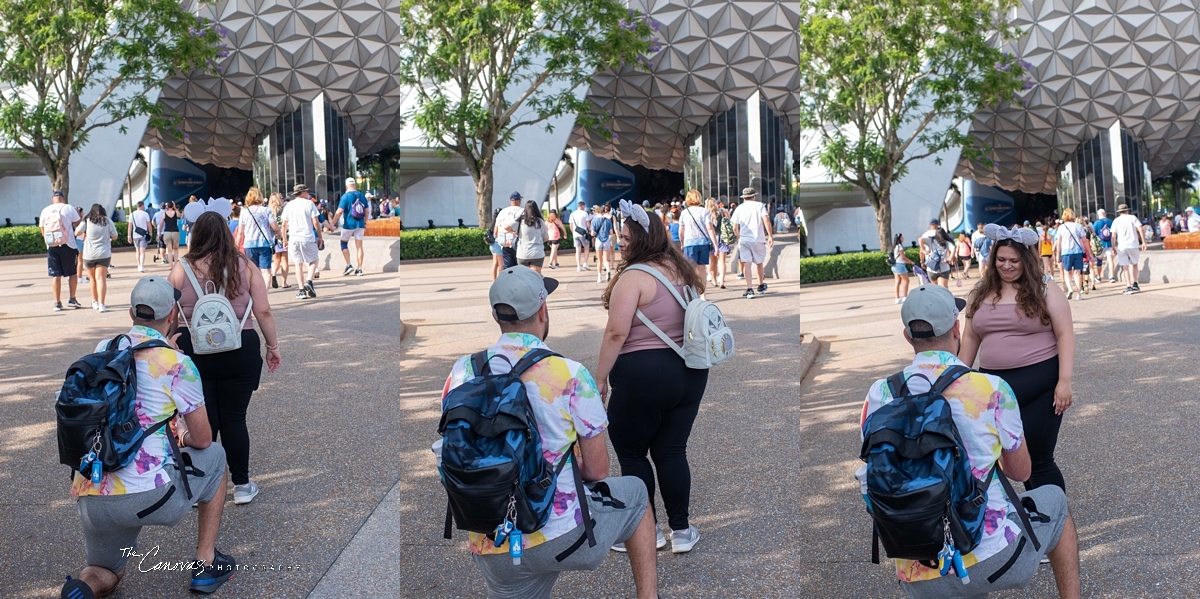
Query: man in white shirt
[
  {"x": 506, "y": 221},
  {"x": 1193, "y": 220},
  {"x": 57, "y": 222},
  {"x": 160, "y": 216},
  {"x": 581, "y": 224},
  {"x": 138, "y": 233},
  {"x": 1131, "y": 242},
  {"x": 753, "y": 228},
  {"x": 300, "y": 226}
]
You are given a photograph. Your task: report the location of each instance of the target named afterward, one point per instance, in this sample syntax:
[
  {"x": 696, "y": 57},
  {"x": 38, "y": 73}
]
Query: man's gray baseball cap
[
  {"x": 522, "y": 289},
  {"x": 152, "y": 298},
  {"x": 933, "y": 304}
]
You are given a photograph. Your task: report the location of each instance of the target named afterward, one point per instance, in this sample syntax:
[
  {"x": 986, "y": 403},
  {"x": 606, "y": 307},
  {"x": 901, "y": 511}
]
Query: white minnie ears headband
[
  {"x": 221, "y": 206},
  {"x": 997, "y": 233},
  {"x": 636, "y": 212}
]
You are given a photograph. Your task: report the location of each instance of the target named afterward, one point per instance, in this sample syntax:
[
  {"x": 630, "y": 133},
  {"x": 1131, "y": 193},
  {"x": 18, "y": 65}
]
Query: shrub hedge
[
  {"x": 842, "y": 267},
  {"x": 424, "y": 244},
  {"x": 27, "y": 240}
]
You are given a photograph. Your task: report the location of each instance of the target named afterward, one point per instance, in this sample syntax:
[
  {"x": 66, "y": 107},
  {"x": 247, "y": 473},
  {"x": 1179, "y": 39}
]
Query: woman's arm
[
  {"x": 969, "y": 341},
  {"x": 622, "y": 306},
  {"x": 1064, "y": 332},
  {"x": 262, "y": 313}
]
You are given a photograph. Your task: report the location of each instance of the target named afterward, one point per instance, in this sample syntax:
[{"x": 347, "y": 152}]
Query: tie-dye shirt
[
  {"x": 167, "y": 382},
  {"x": 988, "y": 419},
  {"x": 566, "y": 405}
]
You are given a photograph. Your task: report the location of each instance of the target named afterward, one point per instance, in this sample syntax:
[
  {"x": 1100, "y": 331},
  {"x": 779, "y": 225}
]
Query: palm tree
[
  {"x": 1177, "y": 181},
  {"x": 384, "y": 162}
]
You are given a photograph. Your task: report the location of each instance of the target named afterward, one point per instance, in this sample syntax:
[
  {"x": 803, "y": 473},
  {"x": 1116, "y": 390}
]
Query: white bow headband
[
  {"x": 221, "y": 206},
  {"x": 637, "y": 213},
  {"x": 997, "y": 233}
]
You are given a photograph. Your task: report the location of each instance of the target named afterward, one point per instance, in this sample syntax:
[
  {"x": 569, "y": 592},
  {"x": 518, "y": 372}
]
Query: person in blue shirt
[
  {"x": 603, "y": 231},
  {"x": 1103, "y": 228},
  {"x": 354, "y": 210}
]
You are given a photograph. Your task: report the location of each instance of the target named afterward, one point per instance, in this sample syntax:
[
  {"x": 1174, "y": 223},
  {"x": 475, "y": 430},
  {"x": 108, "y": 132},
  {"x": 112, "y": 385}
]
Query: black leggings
[
  {"x": 229, "y": 379},
  {"x": 1034, "y": 387},
  {"x": 655, "y": 398}
]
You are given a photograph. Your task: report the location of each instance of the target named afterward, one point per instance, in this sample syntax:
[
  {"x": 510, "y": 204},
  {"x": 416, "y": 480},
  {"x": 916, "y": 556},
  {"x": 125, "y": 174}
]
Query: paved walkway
[
  {"x": 400, "y": 551},
  {"x": 322, "y": 428},
  {"x": 1127, "y": 447}
]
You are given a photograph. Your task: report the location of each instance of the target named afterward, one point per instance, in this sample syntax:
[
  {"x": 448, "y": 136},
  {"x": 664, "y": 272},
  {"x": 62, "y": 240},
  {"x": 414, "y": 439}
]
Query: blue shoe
[
  {"x": 76, "y": 589},
  {"x": 212, "y": 576}
]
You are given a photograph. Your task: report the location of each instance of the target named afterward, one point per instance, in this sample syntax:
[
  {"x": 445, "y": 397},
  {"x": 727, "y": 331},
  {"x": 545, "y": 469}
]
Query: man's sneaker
[
  {"x": 762, "y": 288},
  {"x": 102, "y": 309},
  {"x": 741, "y": 275},
  {"x": 74, "y": 303},
  {"x": 1128, "y": 291},
  {"x": 1136, "y": 288},
  {"x": 243, "y": 494},
  {"x": 1112, "y": 280},
  {"x": 349, "y": 270},
  {"x": 274, "y": 282},
  {"x": 358, "y": 272},
  {"x": 682, "y": 541},
  {"x": 302, "y": 294},
  {"x": 76, "y": 589},
  {"x": 312, "y": 291},
  {"x": 749, "y": 294},
  {"x": 659, "y": 543},
  {"x": 58, "y": 306},
  {"x": 212, "y": 576}
]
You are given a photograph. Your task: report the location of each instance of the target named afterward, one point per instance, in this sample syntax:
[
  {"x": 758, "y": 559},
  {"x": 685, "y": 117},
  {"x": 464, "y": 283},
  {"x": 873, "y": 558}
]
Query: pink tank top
[
  {"x": 188, "y": 297},
  {"x": 666, "y": 313},
  {"x": 1010, "y": 339}
]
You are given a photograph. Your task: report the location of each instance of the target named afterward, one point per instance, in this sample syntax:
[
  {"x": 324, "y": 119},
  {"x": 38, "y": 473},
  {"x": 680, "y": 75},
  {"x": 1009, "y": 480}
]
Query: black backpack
[
  {"x": 98, "y": 428},
  {"x": 921, "y": 492},
  {"x": 492, "y": 465}
]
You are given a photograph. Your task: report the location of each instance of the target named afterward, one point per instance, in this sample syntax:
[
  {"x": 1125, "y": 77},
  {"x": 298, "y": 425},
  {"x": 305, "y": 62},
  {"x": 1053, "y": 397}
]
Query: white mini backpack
[
  {"x": 707, "y": 340},
  {"x": 214, "y": 326}
]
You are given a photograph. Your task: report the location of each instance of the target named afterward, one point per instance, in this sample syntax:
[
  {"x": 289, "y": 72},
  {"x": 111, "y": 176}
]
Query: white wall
[{"x": 443, "y": 199}]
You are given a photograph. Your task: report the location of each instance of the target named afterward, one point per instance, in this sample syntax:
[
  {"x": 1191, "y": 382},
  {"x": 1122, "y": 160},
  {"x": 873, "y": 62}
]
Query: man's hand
[{"x": 771, "y": 242}]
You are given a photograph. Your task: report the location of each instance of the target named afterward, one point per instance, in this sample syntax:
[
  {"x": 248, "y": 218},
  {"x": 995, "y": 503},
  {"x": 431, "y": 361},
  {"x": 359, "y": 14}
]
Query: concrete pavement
[{"x": 322, "y": 429}]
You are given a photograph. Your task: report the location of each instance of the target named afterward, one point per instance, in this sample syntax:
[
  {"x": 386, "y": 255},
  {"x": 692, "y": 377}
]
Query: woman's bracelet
[{"x": 273, "y": 347}]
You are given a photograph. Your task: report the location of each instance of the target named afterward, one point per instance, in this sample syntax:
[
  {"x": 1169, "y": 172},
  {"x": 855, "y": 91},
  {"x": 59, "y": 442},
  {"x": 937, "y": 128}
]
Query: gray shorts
[
  {"x": 534, "y": 578},
  {"x": 112, "y": 523},
  {"x": 1019, "y": 560},
  {"x": 752, "y": 251}
]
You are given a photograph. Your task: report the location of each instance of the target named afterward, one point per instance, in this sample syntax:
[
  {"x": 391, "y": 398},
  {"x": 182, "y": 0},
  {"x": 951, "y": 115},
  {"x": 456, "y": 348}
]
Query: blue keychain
[
  {"x": 502, "y": 532},
  {"x": 945, "y": 559},
  {"x": 97, "y": 473},
  {"x": 514, "y": 547},
  {"x": 960, "y": 569}
]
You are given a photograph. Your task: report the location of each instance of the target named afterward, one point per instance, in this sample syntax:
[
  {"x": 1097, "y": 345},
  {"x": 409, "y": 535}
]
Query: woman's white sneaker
[
  {"x": 243, "y": 494},
  {"x": 682, "y": 541},
  {"x": 659, "y": 543}
]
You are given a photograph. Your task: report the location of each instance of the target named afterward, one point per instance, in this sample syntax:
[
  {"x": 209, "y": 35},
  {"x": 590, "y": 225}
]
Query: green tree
[
  {"x": 482, "y": 69},
  {"x": 70, "y": 67},
  {"x": 884, "y": 83},
  {"x": 1177, "y": 185}
]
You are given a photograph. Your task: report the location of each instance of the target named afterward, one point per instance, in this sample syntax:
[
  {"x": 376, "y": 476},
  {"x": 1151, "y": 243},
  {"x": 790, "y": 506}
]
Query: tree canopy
[
  {"x": 885, "y": 83},
  {"x": 74, "y": 66}
]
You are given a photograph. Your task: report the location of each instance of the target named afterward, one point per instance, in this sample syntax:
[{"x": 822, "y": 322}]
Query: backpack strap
[
  {"x": 1015, "y": 500},
  {"x": 581, "y": 493},
  {"x": 654, "y": 272},
  {"x": 948, "y": 377},
  {"x": 529, "y": 359},
  {"x": 191, "y": 275}
]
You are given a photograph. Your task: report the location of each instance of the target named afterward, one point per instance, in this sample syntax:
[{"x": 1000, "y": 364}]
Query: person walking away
[
  {"x": 655, "y": 396},
  {"x": 939, "y": 256},
  {"x": 57, "y": 222},
  {"x": 229, "y": 377},
  {"x": 753, "y": 228},
  {"x": 280, "y": 268},
  {"x": 1130, "y": 243},
  {"x": 568, "y": 411},
  {"x": 353, "y": 210},
  {"x": 900, "y": 265},
  {"x": 159, "y": 217},
  {"x": 138, "y": 234},
  {"x": 1017, "y": 531},
  {"x": 235, "y": 215},
  {"x": 1103, "y": 228},
  {"x": 494, "y": 246},
  {"x": 965, "y": 253},
  {"x": 98, "y": 232},
  {"x": 723, "y": 237},
  {"x": 929, "y": 234},
  {"x": 508, "y": 228},
  {"x": 300, "y": 226},
  {"x": 581, "y": 227},
  {"x": 258, "y": 234},
  {"x": 983, "y": 250},
  {"x": 150, "y": 490},
  {"x": 171, "y": 218},
  {"x": 1046, "y": 247},
  {"x": 696, "y": 232},
  {"x": 531, "y": 238},
  {"x": 673, "y": 227},
  {"x": 602, "y": 232},
  {"x": 554, "y": 235},
  {"x": 1070, "y": 246},
  {"x": 1095, "y": 255}
]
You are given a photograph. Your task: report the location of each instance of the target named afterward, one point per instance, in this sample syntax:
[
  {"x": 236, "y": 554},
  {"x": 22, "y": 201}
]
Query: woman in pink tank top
[
  {"x": 655, "y": 396},
  {"x": 230, "y": 377},
  {"x": 1018, "y": 324}
]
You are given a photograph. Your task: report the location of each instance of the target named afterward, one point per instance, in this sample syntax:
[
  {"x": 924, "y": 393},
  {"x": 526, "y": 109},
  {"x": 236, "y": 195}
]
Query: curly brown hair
[{"x": 1030, "y": 289}]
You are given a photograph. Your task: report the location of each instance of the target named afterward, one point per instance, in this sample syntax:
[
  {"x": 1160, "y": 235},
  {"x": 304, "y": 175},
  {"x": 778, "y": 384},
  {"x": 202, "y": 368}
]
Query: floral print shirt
[
  {"x": 989, "y": 420},
  {"x": 567, "y": 407},
  {"x": 167, "y": 382}
]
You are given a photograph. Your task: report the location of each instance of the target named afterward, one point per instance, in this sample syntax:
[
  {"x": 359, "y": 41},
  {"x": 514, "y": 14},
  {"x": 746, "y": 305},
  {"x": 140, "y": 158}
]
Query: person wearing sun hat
[{"x": 1130, "y": 242}]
